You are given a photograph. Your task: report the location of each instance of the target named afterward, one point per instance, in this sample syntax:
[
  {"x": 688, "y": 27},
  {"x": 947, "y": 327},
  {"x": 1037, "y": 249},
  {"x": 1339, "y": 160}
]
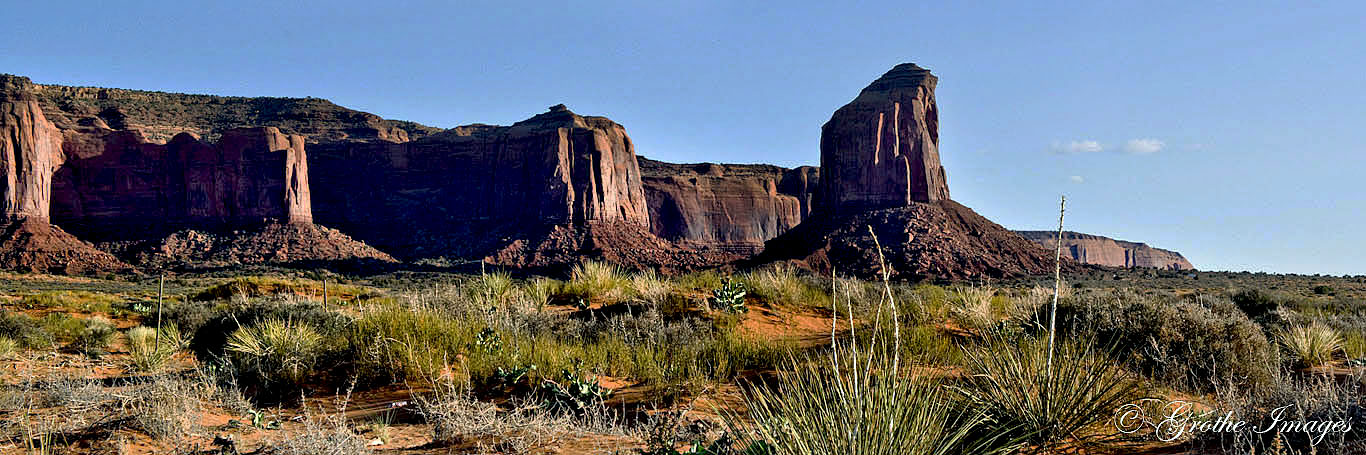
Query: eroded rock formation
[
  {"x": 882, "y": 149},
  {"x": 1105, "y": 251},
  {"x": 727, "y": 207},
  {"x": 880, "y": 174}
]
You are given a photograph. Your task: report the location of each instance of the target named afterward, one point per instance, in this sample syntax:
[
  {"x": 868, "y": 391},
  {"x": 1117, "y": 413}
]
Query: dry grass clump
[
  {"x": 321, "y": 435},
  {"x": 651, "y": 288},
  {"x": 1311, "y": 345},
  {"x": 458, "y": 419},
  {"x": 972, "y": 306},
  {"x": 1275, "y": 412},
  {"x": 780, "y": 284},
  {"x": 149, "y": 350},
  {"x": 166, "y": 408}
]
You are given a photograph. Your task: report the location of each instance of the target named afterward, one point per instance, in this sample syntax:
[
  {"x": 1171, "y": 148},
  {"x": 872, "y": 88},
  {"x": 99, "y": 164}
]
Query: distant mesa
[{"x": 1105, "y": 251}]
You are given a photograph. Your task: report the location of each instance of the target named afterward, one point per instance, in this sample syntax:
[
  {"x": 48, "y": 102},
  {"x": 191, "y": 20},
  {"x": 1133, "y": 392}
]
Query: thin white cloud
[
  {"x": 1074, "y": 147},
  {"x": 1143, "y": 146},
  {"x": 1077, "y": 179}
]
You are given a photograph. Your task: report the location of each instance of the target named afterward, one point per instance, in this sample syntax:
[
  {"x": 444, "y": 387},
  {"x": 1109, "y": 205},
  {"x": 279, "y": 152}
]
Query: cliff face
[
  {"x": 726, "y": 207},
  {"x": 30, "y": 150},
  {"x": 1098, "y": 250},
  {"x": 118, "y": 184},
  {"x": 469, "y": 190},
  {"x": 882, "y": 149}
]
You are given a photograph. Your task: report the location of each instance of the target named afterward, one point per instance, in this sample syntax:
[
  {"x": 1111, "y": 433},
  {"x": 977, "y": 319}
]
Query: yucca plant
[
  {"x": 858, "y": 399},
  {"x": 1311, "y": 345},
  {"x": 275, "y": 351},
  {"x": 8, "y": 347},
  {"x": 149, "y": 350},
  {"x": 1012, "y": 383}
]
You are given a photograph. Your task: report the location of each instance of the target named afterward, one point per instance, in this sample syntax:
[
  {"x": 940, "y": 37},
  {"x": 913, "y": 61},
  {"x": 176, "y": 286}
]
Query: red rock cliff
[
  {"x": 727, "y": 207},
  {"x": 471, "y": 189},
  {"x": 117, "y": 179},
  {"x": 882, "y": 149}
]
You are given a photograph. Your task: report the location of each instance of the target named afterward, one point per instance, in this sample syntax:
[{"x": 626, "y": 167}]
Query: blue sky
[{"x": 1233, "y": 132}]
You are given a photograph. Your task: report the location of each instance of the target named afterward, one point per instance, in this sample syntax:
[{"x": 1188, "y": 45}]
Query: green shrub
[
  {"x": 1354, "y": 345},
  {"x": 1311, "y": 345},
  {"x": 25, "y": 330},
  {"x": 1189, "y": 344},
  {"x": 95, "y": 337},
  {"x": 1025, "y": 397},
  {"x": 1256, "y": 303},
  {"x": 84, "y": 301},
  {"x": 275, "y": 351}
]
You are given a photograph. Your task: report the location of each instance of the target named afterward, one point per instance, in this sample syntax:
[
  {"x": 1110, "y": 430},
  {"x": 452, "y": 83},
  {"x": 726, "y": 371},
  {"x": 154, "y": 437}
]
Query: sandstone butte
[{"x": 157, "y": 180}]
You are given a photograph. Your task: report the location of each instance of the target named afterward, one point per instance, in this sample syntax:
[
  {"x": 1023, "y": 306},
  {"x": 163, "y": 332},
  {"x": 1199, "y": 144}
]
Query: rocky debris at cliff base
[
  {"x": 625, "y": 245},
  {"x": 36, "y": 245},
  {"x": 938, "y": 240},
  {"x": 274, "y": 243}
]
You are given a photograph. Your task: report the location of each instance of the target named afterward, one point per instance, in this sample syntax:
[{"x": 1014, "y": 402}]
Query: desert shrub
[
  {"x": 1026, "y": 397},
  {"x": 1178, "y": 341},
  {"x": 1272, "y": 411},
  {"x": 1310, "y": 345},
  {"x": 856, "y": 400},
  {"x": 95, "y": 337},
  {"x": 258, "y": 286},
  {"x": 275, "y": 351},
  {"x": 729, "y": 297},
  {"x": 24, "y": 330},
  {"x": 395, "y": 342},
  {"x": 492, "y": 288},
  {"x": 211, "y": 336},
  {"x": 1255, "y": 302},
  {"x": 150, "y": 349},
  {"x": 1354, "y": 345},
  {"x": 63, "y": 327}
]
